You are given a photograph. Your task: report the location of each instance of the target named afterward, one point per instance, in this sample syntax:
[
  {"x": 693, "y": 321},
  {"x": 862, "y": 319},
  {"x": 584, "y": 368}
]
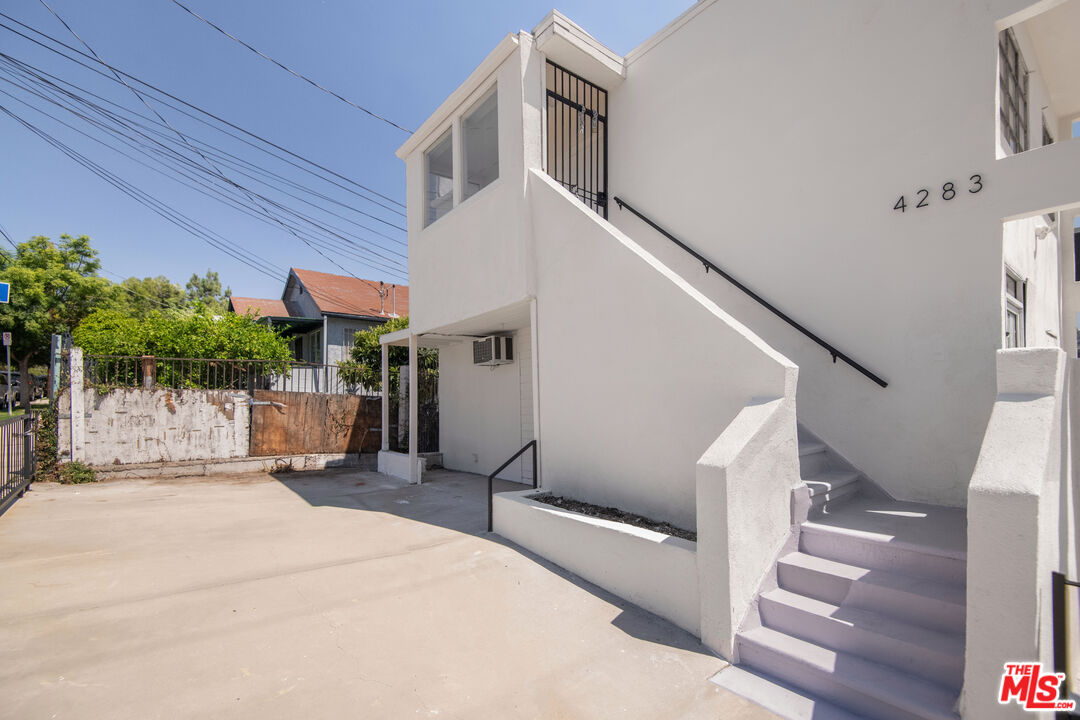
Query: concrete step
[
  {"x": 812, "y": 457},
  {"x": 921, "y": 601},
  {"x": 830, "y": 487},
  {"x": 855, "y": 683},
  {"x": 778, "y": 697},
  {"x": 931, "y": 654},
  {"x": 881, "y": 552}
]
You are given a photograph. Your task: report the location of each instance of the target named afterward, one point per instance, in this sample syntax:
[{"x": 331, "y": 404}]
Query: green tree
[
  {"x": 53, "y": 287},
  {"x": 207, "y": 290},
  {"x": 196, "y": 334},
  {"x": 140, "y": 297},
  {"x": 364, "y": 367}
]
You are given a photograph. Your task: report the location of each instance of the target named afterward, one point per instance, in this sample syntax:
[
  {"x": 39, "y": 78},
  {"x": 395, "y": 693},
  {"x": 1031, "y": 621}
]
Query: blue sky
[{"x": 399, "y": 59}]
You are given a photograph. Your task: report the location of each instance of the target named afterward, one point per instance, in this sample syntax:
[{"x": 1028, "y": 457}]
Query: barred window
[{"x": 1014, "y": 93}]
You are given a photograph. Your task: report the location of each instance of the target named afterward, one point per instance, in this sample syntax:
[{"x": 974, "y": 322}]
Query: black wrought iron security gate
[{"x": 577, "y": 136}]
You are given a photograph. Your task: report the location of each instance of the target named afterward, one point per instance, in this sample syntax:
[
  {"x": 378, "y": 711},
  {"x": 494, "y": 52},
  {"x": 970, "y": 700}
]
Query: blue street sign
[{"x": 4, "y": 289}]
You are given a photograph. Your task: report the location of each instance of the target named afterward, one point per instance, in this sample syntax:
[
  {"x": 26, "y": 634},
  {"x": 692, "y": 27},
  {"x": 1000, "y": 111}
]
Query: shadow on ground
[{"x": 457, "y": 501}]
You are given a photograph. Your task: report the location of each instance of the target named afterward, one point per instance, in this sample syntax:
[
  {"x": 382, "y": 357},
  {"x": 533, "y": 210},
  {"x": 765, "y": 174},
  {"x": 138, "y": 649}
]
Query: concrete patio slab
[{"x": 318, "y": 595}]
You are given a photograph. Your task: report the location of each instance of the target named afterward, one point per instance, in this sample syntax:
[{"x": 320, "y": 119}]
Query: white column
[
  {"x": 78, "y": 407},
  {"x": 414, "y": 410},
  {"x": 385, "y": 398},
  {"x": 535, "y": 390},
  {"x": 457, "y": 145}
]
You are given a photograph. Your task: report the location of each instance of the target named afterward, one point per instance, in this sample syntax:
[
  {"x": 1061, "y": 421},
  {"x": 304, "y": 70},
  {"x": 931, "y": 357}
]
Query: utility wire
[
  {"x": 289, "y": 70},
  {"x": 209, "y": 163},
  {"x": 43, "y": 78},
  {"x": 172, "y": 157},
  {"x": 8, "y": 238},
  {"x": 149, "y": 201},
  {"x": 220, "y": 197},
  {"x": 179, "y": 219},
  {"x": 177, "y": 99}
]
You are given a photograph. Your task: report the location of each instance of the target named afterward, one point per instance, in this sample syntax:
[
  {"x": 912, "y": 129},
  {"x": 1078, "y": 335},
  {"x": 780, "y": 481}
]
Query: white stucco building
[{"x": 799, "y": 277}]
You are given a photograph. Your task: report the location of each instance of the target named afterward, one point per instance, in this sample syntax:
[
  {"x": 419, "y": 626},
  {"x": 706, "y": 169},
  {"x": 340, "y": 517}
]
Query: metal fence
[
  {"x": 130, "y": 371},
  {"x": 16, "y": 457}
]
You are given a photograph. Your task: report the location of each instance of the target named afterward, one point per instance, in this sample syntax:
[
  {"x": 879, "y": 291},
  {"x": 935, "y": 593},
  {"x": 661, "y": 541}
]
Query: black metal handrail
[
  {"x": 1059, "y": 621},
  {"x": 709, "y": 265},
  {"x": 491, "y": 477}
]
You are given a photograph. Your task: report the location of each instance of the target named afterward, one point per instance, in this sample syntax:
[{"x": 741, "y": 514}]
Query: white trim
[
  {"x": 557, "y": 25},
  {"x": 668, "y": 30},
  {"x": 440, "y": 119}
]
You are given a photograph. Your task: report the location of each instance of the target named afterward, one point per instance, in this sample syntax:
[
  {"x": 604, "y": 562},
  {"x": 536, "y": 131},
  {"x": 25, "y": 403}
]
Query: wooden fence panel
[{"x": 314, "y": 423}]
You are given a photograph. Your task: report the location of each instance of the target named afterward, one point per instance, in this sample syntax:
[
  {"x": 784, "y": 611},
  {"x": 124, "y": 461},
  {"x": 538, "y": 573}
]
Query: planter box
[{"x": 650, "y": 569}]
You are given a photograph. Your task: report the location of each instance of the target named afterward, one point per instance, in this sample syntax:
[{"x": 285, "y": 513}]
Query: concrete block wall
[{"x": 131, "y": 426}]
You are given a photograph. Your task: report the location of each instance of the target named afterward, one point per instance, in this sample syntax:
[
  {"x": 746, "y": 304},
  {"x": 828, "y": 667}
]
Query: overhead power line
[
  {"x": 205, "y": 188},
  {"x": 166, "y": 94},
  {"x": 207, "y": 161},
  {"x": 290, "y": 70}
]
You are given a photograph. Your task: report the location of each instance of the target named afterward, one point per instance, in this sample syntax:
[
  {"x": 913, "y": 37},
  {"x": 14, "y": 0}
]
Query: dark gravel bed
[{"x": 615, "y": 514}]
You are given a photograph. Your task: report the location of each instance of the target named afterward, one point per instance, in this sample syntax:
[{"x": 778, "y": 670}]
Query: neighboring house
[
  {"x": 321, "y": 312},
  {"x": 886, "y": 175}
]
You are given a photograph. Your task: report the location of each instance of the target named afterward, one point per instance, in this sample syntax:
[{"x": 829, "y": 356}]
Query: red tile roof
[
  {"x": 350, "y": 296},
  {"x": 262, "y": 307}
]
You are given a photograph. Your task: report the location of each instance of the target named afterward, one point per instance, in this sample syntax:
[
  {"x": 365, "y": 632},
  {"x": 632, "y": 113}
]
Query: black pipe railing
[
  {"x": 1060, "y": 621},
  {"x": 709, "y": 265},
  {"x": 491, "y": 478}
]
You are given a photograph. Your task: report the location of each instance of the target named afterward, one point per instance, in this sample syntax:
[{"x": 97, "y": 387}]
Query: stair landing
[{"x": 929, "y": 528}]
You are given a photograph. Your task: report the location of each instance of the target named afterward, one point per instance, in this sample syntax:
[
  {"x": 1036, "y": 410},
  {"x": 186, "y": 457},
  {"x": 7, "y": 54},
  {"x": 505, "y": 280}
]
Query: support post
[
  {"x": 414, "y": 411},
  {"x": 78, "y": 407},
  {"x": 386, "y": 398},
  {"x": 148, "y": 368}
]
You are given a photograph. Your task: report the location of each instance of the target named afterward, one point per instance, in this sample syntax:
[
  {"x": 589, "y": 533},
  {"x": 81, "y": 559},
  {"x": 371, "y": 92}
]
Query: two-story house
[{"x": 798, "y": 277}]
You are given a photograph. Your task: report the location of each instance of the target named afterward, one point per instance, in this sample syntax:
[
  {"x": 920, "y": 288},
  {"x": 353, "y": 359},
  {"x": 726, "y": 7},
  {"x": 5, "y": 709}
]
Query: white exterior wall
[
  {"x": 481, "y": 410},
  {"x": 781, "y": 158},
  {"x": 639, "y": 374},
  {"x": 477, "y": 253},
  {"x": 778, "y": 150}
]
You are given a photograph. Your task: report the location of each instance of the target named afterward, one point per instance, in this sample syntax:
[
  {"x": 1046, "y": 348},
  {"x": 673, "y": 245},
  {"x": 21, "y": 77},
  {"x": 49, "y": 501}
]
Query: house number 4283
[{"x": 949, "y": 191}]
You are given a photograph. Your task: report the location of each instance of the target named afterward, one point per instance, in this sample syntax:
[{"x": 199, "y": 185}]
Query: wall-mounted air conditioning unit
[{"x": 493, "y": 350}]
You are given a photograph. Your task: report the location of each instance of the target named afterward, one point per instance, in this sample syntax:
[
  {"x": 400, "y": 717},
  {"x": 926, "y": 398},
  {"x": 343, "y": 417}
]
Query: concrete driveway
[{"x": 338, "y": 594}]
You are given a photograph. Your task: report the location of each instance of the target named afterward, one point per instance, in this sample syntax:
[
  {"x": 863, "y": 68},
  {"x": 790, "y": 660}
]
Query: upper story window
[
  {"x": 1013, "y": 80},
  {"x": 1015, "y": 320},
  {"x": 439, "y": 180},
  {"x": 480, "y": 129}
]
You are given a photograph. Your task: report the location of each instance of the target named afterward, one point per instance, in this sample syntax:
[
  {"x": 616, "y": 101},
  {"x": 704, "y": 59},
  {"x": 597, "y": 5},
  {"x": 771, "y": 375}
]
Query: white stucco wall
[
  {"x": 784, "y": 148},
  {"x": 481, "y": 410},
  {"x": 478, "y": 253},
  {"x": 1017, "y": 530},
  {"x": 639, "y": 374},
  {"x": 779, "y": 151}
]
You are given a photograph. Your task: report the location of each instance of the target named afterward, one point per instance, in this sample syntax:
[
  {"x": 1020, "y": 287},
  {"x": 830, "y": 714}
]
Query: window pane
[
  {"x": 481, "y": 131},
  {"x": 439, "y": 188},
  {"x": 1012, "y": 329}
]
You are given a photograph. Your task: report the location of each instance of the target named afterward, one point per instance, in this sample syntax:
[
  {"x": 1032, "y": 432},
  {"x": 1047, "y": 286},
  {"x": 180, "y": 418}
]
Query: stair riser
[
  {"x": 820, "y": 683},
  {"x": 936, "y": 666},
  {"x": 812, "y": 464},
  {"x": 879, "y": 555},
  {"x": 915, "y": 609}
]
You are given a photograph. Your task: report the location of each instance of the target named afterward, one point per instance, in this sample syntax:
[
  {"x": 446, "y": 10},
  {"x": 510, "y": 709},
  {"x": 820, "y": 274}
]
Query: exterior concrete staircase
[{"x": 866, "y": 618}]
